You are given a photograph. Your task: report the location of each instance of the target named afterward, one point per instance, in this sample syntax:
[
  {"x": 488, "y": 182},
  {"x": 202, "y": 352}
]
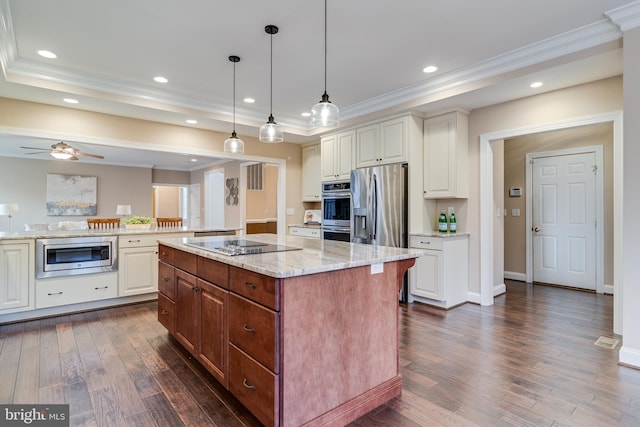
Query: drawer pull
[
  {"x": 250, "y": 285},
  {"x": 164, "y": 312},
  {"x": 103, "y": 287},
  {"x": 248, "y": 329},
  {"x": 55, "y": 293},
  {"x": 166, "y": 279},
  {"x": 134, "y": 241},
  {"x": 250, "y": 387}
]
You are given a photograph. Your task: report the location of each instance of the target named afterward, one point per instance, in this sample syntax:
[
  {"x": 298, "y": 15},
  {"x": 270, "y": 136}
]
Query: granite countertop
[
  {"x": 446, "y": 235},
  {"x": 316, "y": 256},
  {"x": 52, "y": 234},
  {"x": 308, "y": 225}
]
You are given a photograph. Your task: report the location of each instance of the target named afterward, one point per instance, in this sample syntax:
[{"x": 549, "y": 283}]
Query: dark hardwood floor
[{"x": 529, "y": 360}]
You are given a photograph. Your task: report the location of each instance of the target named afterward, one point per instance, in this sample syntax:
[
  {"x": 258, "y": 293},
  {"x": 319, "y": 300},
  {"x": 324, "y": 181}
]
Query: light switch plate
[
  {"x": 515, "y": 212},
  {"x": 377, "y": 268},
  {"x": 290, "y": 211}
]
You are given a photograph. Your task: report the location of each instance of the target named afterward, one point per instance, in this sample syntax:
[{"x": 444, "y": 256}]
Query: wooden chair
[
  {"x": 169, "y": 222},
  {"x": 103, "y": 223}
]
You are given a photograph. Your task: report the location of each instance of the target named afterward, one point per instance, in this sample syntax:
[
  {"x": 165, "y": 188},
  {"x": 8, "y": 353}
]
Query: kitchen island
[{"x": 306, "y": 336}]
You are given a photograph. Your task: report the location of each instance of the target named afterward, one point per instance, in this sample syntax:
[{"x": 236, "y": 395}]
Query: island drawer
[
  {"x": 185, "y": 261},
  {"x": 167, "y": 280},
  {"x": 254, "y": 328},
  {"x": 166, "y": 254},
  {"x": 166, "y": 313},
  {"x": 253, "y": 385},
  {"x": 213, "y": 271},
  {"x": 424, "y": 242},
  {"x": 257, "y": 287}
]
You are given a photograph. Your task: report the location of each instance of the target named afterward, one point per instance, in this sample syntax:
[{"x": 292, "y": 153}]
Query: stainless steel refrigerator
[{"x": 379, "y": 207}]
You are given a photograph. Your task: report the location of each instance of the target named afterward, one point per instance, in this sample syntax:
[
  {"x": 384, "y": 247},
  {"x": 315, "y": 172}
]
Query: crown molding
[
  {"x": 570, "y": 42},
  {"x": 625, "y": 17},
  {"x": 8, "y": 49}
]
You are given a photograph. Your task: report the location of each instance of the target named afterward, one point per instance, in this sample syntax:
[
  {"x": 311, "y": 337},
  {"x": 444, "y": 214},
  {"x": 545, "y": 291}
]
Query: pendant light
[
  {"x": 233, "y": 144},
  {"x": 324, "y": 113},
  {"x": 271, "y": 131}
]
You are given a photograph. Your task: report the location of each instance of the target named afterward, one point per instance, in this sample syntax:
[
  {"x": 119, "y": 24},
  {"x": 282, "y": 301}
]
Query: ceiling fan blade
[
  {"x": 35, "y": 152},
  {"x": 73, "y": 158},
  {"x": 95, "y": 156},
  {"x": 36, "y": 148}
]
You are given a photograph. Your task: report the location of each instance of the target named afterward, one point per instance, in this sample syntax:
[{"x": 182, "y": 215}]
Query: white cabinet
[
  {"x": 17, "y": 275},
  {"x": 337, "y": 156},
  {"x": 382, "y": 143},
  {"x": 83, "y": 288},
  {"x": 312, "y": 232},
  {"x": 446, "y": 165},
  {"x": 138, "y": 262},
  {"x": 311, "y": 183},
  {"x": 440, "y": 277}
]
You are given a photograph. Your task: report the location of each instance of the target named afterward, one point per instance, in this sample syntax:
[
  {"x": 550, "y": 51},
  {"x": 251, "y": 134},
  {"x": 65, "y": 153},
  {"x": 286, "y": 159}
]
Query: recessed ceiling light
[
  {"x": 70, "y": 100},
  {"x": 536, "y": 84},
  {"x": 306, "y": 114},
  {"x": 191, "y": 121},
  {"x": 47, "y": 54},
  {"x": 430, "y": 69},
  {"x": 249, "y": 100},
  {"x": 194, "y": 160},
  {"x": 160, "y": 79}
]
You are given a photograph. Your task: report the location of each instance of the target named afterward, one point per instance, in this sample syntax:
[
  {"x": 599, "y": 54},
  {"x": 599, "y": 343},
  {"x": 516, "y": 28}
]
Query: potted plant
[{"x": 138, "y": 222}]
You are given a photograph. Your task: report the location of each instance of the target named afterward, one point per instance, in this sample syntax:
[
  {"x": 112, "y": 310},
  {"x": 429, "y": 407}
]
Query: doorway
[
  {"x": 214, "y": 198},
  {"x": 565, "y": 207}
]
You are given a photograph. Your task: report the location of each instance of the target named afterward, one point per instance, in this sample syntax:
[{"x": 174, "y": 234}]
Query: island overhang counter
[{"x": 307, "y": 336}]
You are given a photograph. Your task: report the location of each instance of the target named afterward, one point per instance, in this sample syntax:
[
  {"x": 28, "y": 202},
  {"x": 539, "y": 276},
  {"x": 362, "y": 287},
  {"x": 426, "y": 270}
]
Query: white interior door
[
  {"x": 564, "y": 220},
  {"x": 194, "y": 205}
]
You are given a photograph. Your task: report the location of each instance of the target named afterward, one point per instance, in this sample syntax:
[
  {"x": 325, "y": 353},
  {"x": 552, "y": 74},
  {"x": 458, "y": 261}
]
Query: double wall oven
[{"x": 336, "y": 211}]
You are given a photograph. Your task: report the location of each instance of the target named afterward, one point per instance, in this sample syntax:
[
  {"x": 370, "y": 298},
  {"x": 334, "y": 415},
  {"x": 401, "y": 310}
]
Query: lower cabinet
[
  {"x": 440, "y": 277},
  {"x": 17, "y": 274},
  {"x": 58, "y": 291}
]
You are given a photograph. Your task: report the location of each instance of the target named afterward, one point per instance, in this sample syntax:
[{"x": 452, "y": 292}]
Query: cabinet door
[
  {"x": 367, "y": 146},
  {"x": 344, "y": 154},
  {"x": 186, "y": 293},
  {"x": 212, "y": 330},
  {"x": 16, "y": 281},
  {"x": 327, "y": 158},
  {"x": 138, "y": 270},
  {"x": 393, "y": 141},
  {"x": 311, "y": 186},
  {"x": 426, "y": 276}
]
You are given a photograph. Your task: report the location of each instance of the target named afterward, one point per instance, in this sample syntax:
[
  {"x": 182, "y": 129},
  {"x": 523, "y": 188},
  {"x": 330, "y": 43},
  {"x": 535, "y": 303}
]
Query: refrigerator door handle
[{"x": 375, "y": 207}]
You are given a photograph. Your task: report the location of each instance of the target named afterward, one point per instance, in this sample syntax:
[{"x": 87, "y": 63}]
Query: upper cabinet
[
  {"x": 337, "y": 156},
  {"x": 311, "y": 185},
  {"x": 445, "y": 172},
  {"x": 382, "y": 143}
]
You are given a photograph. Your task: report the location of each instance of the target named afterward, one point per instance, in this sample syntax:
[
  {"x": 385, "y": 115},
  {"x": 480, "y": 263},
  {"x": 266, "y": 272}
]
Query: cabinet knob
[
  {"x": 165, "y": 312},
  {"x": 166, "y": 279},
  {"x": 248, "y": 329},
  {"x": 250, "y": 387}
]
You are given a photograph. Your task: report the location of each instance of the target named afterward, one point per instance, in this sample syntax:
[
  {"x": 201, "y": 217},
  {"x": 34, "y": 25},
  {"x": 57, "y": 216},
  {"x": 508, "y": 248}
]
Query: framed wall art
[{"x": 71, "y": 195}]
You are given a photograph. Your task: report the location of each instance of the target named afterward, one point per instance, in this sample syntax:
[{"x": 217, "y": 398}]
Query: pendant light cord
[
  {"x": 325, "y": 46},
  {"x": 271, "y": 81},
  {"x": 234, "y": 98}
]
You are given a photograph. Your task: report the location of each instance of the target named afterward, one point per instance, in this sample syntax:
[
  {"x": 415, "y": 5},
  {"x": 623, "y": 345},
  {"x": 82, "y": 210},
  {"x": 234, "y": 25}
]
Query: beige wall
[
  {"x": 514, "y": 176},
  {"x": 579, "y": 101},
  {"x": 24, "y": 182},
  {"x": 261, "y": 204},
  {"x": 167, "y": 200},
  {"x": 162, "y": 176},
  {"x": 39, "y": 118}
]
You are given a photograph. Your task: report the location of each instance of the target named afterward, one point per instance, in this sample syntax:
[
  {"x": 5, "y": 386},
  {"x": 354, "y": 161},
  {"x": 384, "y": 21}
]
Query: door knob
[{"x": 536, "y": 229}]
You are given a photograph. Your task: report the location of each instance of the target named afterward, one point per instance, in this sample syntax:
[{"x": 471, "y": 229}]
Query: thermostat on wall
[{"x": 515, "y": 192}]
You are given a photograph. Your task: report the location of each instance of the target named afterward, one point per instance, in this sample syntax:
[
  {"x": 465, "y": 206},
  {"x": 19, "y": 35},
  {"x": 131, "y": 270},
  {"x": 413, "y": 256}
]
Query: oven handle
[
  {"x": 337, "y": 229},
  {"x": 336, "y": 194}
]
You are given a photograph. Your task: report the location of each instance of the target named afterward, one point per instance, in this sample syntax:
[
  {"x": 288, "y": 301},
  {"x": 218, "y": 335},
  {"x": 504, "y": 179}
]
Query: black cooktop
[{"x": 240, "y": 247}]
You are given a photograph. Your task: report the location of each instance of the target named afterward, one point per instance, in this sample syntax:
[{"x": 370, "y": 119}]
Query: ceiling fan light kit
[
  {"x": 324, "y": 113},
  {"x": 233, "y": 144},
  {"x": 63, "y": 151},
  {"x": 271, "y": 132}
]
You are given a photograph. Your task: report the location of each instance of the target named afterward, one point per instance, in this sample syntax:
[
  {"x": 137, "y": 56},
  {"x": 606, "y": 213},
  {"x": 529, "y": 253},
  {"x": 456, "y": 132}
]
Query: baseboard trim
[
  {"x": 608, "y": 289},
  {"x": 499, "y": 289},
  {"x": 512, "y": 275},
  {"x": 629, "y": 357},
  {"x": 473, "y": 297}
]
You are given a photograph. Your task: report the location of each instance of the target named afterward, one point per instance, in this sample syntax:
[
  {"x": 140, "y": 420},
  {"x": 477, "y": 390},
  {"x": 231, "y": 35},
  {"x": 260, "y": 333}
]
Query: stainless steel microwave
[{"x": 76, "y": 255}]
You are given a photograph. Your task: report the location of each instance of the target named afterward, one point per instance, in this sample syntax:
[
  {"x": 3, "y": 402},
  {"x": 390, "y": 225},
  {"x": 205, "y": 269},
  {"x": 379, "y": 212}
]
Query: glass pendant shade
[
  {"x": 271, "y": 131},
  {"x": 324, "y": 113},
  {"x": 233, "y": 144}
]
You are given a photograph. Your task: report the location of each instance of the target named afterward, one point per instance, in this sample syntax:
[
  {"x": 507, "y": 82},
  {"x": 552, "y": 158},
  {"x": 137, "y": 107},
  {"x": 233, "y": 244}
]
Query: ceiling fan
[{"x": 62, "y": 151}]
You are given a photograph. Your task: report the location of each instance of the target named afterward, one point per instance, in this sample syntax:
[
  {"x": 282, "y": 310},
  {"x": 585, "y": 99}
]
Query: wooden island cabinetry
[{"x": 316, "y": 348}]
